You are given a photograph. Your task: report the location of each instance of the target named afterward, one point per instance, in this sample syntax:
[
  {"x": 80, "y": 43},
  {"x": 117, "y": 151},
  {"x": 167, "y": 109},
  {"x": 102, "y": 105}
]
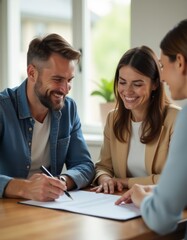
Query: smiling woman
[
  {"x": 162, "y": 206},
  {"x": 137, "y": 133},
  {"x": 135, "y": 89}
]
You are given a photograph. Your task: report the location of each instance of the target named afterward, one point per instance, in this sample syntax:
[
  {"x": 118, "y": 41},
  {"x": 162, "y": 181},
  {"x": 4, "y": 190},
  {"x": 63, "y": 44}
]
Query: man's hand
[{"x": 39, "y": 187}]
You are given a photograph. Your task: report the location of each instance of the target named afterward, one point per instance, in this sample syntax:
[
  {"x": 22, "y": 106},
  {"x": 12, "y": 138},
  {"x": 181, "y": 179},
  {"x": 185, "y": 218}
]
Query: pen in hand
[{"x": 44, "y": 170}]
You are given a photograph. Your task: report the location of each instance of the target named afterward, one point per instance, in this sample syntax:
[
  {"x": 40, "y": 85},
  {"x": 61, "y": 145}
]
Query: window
[
  {"x": 108, "y": 38},
  {"x": 99, "y": 28}
]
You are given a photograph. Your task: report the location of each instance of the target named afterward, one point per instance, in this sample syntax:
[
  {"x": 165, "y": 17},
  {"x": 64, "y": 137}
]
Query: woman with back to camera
[
  {"x": 137, "y": 133},
  {"x": 161, "y": 206}
]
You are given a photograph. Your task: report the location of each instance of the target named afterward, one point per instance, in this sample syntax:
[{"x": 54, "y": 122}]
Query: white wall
[{"x": 151, "y": 20}]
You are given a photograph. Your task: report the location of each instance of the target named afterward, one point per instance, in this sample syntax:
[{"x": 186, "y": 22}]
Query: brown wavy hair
[
  {"x": 143, "y": 60},
  {"x": 40, "y": 49}
]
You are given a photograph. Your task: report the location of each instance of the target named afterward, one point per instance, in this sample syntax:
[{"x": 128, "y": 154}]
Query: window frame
[
  {"x": 10, "y": 50},
  {"x": 81, "y": 29}
]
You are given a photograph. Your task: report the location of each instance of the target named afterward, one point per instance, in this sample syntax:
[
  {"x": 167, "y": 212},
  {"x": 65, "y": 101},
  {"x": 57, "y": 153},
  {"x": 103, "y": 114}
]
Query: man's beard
[{"x": 45, "y": 99}]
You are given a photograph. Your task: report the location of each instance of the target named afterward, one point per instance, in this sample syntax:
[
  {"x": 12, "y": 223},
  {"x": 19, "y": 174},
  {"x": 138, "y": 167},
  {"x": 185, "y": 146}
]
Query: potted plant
[{"x": 105, "y": 91}]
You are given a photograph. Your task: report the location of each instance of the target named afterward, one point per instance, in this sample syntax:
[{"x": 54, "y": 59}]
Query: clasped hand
[{"x": 107, "y": 184}]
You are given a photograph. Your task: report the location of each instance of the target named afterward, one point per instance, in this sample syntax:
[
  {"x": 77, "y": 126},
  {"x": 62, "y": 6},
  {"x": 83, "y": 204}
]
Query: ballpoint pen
[{"x": 44, "y": 170}]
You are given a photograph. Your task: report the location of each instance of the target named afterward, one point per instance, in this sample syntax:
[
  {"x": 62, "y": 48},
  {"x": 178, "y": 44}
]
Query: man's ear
[{"x": 32, "y": 72}]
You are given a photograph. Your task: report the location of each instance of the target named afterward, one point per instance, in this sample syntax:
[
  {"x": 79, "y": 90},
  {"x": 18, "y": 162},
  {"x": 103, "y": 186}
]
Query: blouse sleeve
[{"x": 162, "y": 210}]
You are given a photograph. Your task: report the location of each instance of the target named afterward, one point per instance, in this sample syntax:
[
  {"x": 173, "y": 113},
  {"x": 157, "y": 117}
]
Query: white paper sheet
[{"x": 91, "y": 203}]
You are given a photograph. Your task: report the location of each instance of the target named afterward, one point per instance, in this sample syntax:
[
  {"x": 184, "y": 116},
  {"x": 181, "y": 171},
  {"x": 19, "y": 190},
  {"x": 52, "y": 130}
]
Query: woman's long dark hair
[{"x": 143, "y": 60}]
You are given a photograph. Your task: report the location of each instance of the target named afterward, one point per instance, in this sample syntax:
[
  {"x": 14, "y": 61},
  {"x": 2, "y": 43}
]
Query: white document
[{"x": 91, "y": 203}]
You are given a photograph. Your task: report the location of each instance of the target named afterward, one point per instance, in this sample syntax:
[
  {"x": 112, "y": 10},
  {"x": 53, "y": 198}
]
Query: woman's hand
[
  {"x": 107, "y": 184},
  {"x": 136, "y": 194}
]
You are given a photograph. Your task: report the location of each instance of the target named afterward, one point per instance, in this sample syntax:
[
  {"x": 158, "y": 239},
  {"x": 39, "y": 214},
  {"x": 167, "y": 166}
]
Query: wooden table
[{"x": 18, "y": 221}]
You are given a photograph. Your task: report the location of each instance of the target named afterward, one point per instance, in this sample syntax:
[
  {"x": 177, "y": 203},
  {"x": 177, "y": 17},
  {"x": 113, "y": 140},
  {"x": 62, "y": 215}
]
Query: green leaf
[{"x": 105, "y": 90}]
